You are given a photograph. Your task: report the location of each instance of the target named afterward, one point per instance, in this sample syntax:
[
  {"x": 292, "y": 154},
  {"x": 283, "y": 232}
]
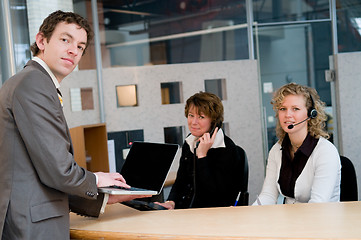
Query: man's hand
[
  {"x": 168, "y": 204},
  {"x": 110, "y": 179},
  {"x": 123, "y": 198}
]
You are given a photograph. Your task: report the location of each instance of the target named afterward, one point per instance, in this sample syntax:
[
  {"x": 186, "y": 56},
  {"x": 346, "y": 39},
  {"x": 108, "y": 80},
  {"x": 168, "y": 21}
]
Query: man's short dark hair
[{"x": 48, "y": 26}]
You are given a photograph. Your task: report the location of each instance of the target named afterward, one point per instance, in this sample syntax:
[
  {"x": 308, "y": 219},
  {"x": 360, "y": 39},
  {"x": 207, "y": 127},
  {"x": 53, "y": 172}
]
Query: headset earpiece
[{"x": 312, "y": 112}]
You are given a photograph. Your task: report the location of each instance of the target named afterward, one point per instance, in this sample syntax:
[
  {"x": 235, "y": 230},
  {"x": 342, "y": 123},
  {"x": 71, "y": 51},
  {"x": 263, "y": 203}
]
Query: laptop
[{"x": 145, "y": 169}]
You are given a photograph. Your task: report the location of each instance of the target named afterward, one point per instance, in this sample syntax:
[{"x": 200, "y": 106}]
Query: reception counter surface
[{"x": 299, "y": 221}]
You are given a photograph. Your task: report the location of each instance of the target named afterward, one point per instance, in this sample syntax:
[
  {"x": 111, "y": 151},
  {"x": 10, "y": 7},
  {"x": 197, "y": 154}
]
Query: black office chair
[
  {"x": 244, "y": 196},
  {"x": 348, "y": 188}
]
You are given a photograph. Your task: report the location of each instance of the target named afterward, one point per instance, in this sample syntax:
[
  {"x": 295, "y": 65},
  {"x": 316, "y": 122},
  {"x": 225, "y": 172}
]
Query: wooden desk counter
[{"x": 298, "y": 221}]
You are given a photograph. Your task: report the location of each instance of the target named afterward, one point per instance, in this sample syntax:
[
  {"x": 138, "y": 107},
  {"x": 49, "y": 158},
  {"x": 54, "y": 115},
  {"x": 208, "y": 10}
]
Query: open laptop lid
[{"x": 147, "y": 166}]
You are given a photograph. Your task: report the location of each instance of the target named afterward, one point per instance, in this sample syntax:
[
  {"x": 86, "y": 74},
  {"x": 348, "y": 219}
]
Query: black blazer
[{"x": 218, "y": 177}]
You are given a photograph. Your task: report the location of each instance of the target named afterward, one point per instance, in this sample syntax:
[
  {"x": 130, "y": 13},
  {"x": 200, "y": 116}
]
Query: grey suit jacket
[{"x": 38, "y": 171}]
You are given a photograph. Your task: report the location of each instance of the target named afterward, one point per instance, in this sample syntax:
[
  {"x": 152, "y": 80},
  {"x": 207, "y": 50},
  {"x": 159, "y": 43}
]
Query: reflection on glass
[
  {"x": 171, "y": 92},
  {"x": 126, "y": 95},
  {"x": 165, "y": 32},
  {"x": 286, "y": 10},
  {"x": 20, "y": 32},
  {"x": 217, "y": 87},
  {"x": 349, "y": 26}
]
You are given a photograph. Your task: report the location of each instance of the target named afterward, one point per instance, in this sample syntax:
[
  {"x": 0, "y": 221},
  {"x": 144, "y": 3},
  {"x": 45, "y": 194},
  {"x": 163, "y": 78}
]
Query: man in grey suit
[{"x": 39, "y": 178}]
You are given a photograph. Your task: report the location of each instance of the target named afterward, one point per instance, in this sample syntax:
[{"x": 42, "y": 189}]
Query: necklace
[{"x": 294, "y": 147}]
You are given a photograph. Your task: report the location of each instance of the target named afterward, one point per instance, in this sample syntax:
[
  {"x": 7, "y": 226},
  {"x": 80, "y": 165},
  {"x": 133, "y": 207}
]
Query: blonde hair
[{"x": 316, "y": 126}]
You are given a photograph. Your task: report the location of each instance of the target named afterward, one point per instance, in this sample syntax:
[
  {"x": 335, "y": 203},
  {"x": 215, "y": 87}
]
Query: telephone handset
[
  {"x": 219, "y": 125},
  {"x": 213, "y": 129}
]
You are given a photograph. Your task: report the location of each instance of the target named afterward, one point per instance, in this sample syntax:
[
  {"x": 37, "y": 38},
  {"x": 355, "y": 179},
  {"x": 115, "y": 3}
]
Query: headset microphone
[{"x": 292, "y": 125}]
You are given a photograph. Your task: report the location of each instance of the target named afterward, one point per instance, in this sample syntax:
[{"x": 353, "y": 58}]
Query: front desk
[{"x": 298, "y": 221}]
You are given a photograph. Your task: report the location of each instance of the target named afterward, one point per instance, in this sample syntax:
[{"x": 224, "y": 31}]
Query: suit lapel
[{"x": 36, "y": 65}]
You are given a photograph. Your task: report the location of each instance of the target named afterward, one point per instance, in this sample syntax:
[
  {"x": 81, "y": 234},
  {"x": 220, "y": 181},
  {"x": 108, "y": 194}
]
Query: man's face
[{"x": 63, "y": 51}]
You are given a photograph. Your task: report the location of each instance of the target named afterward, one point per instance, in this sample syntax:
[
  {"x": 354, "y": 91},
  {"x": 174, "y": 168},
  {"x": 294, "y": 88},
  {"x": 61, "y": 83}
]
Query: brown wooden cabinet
[{"x": 91, "y": 147}]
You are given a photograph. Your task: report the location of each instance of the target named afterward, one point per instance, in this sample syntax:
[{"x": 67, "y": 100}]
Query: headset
[{"x": 311, "y": 113}]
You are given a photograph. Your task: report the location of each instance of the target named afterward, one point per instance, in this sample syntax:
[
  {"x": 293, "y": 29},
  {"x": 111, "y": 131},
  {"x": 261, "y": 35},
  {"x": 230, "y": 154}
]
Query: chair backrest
[
  {"x": 244, "y": 196},
  {"x": 348, "y": 189}
]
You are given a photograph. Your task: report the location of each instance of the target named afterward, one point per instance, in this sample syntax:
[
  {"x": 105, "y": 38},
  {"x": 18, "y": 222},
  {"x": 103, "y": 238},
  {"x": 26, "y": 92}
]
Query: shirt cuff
[
  {"x": 96, "y": 179},
  {"x": 105, "y": 201}
]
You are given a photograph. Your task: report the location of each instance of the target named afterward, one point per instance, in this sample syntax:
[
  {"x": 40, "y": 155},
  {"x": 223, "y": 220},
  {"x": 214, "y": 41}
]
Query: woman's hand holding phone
[{"x": 206, "y": 142}]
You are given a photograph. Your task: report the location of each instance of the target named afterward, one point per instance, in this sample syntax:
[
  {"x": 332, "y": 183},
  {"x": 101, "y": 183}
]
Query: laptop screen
[{"x": 147, "y": 164}]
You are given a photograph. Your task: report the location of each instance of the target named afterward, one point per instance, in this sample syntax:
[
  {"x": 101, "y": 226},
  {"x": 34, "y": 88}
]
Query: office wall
[
  {"x": 348, "y": 90},
  {"x": 242, "y": 106}
]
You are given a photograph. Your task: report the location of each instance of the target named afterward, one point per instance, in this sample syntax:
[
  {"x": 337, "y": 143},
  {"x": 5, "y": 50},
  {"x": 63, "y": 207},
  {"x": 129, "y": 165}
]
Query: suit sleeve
[
  {"x": 42, "y": 126},
  {"x": 86, "y": 207}
]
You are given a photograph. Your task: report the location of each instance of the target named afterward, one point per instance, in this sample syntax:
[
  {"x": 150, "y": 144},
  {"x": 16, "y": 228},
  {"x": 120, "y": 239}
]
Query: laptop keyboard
[{"x": 128, "y": 189}]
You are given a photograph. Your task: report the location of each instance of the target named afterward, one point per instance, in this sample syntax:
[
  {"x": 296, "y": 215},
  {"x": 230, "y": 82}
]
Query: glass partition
[
  {"x": 293, "y": 38},
  {"x": 136, "y": 33},
  {"x": 14, "y": 38},
  {"x": 270, "y": 11},
  {"x": 292, "y": 53},
  {"x": 349, "y": 26},
  {"x": 19, "y": 19}
]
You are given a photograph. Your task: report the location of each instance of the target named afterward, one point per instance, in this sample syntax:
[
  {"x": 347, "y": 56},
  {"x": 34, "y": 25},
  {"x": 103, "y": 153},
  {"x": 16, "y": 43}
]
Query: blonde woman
[{"x": 303, "y": 165}]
